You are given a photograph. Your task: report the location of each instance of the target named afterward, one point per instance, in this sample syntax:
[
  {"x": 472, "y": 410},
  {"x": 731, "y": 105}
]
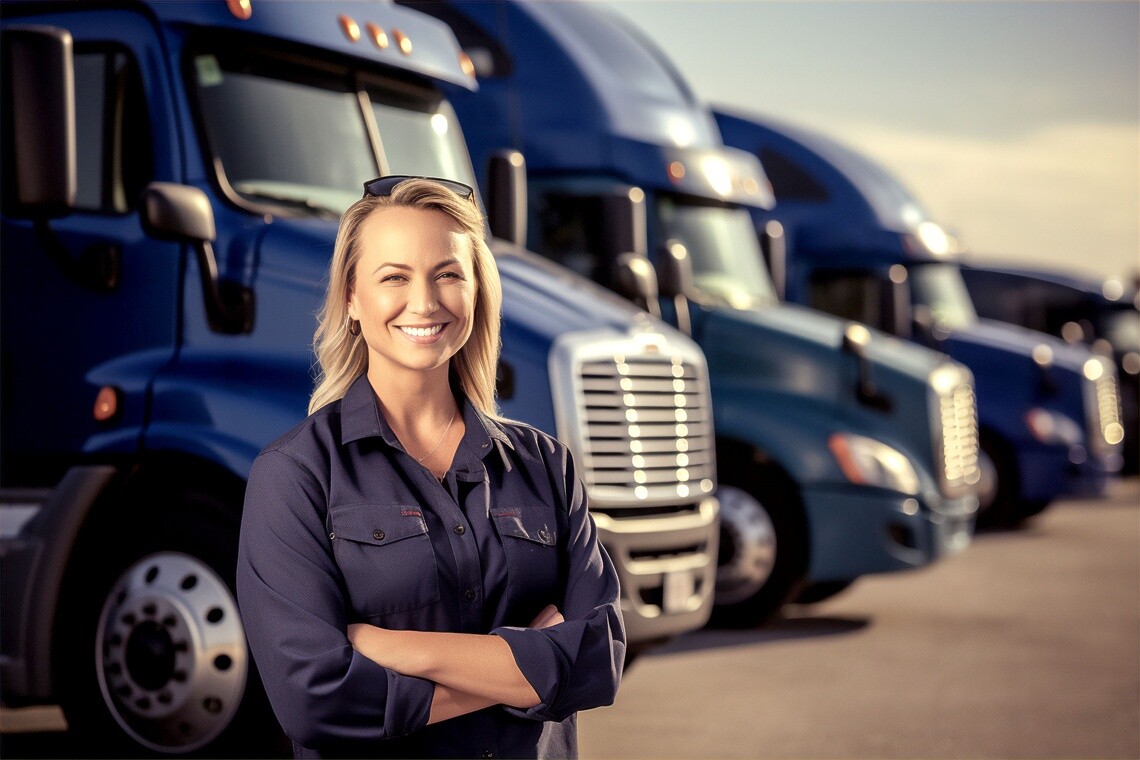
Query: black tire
[
  {"x": 1002, "y": 507},
  {"x": 814, "y": 593},
  {"x": 150, "y": 656},
  {"x": 755, "y": 582}
]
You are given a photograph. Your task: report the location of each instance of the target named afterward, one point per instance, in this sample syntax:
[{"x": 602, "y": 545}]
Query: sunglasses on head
[{"x": 382, "y": 187}]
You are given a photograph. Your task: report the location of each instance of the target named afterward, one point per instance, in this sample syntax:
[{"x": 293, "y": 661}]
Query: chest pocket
[
  {"x": 385, "y": 555},
  {"x": 530, "y": 542}
]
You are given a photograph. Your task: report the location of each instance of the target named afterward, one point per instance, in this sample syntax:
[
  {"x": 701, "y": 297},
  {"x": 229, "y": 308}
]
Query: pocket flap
[
  {"x": 376, "y": 524},
  {"x": 512, "y": 522}
]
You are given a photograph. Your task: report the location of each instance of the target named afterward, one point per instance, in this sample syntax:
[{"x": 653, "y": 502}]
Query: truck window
[
  {"x": 113, "y": 151},
  {"x": 859, "y": 296},
  {"x": 941, "y": 289},
  {"x": 569, "y": 231},
  {"x": 420, "y": 135},
  {"x": 727, "y": 261},
  {"x": 281, "y": 136}
]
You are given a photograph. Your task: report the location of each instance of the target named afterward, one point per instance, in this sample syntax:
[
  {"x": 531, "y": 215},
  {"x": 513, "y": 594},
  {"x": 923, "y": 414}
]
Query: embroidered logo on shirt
[
  {"x": 411, "y": 513},
  {"x": 507, "y": 512}
]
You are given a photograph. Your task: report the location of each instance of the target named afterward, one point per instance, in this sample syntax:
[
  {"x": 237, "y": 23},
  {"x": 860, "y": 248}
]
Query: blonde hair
[{"x": 342, "y": 357}]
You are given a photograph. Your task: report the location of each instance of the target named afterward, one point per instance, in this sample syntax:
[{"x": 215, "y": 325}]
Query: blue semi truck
[
  {"x": 840, "y": 452},
  {"x": 1073, "y": 306},
  {"x": 859, "y": 245},
  {"x": 173, "y": 178}
]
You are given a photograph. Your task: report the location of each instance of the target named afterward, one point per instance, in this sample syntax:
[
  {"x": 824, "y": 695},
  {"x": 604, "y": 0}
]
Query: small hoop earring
[{"x": 354, "y": 327}]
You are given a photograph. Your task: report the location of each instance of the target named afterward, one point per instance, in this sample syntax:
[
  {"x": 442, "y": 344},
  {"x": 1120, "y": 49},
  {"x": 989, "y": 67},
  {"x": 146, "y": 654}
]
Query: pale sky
[{"x": 1016, "y": 124}]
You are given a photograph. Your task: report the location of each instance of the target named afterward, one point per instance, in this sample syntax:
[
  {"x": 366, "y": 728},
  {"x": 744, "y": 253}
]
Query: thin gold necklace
[{"x": 440, "y": 441}]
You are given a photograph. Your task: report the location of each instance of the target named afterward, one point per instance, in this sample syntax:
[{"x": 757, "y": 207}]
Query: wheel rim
[
  {"x": 748, "y": 546},
  {"x": 171, "y": 653}
]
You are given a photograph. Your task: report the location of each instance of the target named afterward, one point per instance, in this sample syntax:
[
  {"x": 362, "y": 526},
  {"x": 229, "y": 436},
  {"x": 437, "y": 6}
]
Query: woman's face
[{"x": 414, "y": 291}]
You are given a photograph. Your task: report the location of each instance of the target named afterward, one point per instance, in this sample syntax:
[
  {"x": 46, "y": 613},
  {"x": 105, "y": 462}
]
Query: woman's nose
[{"x": 424, "y": 299}]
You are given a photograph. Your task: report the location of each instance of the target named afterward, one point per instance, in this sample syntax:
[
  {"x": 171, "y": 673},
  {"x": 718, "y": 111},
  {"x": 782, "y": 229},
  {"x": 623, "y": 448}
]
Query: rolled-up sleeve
[
  {"x": 577, "y": 664},
  {"x": 291, "y": 598}
]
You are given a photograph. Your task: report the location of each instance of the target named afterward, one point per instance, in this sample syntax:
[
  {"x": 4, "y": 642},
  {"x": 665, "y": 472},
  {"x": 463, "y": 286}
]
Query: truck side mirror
[
  {"x": 856, "y": 338},
  {"x": 774, "y": 246},
  {"x": 39, "y": 119},
  {"x": 635, "y": 279},
  {"x": 675, "y": 280},
  {"x": 183, "y": 214},
  {"x": 624, "y": 226},
  {"x": 506, "y": 196},
  {"x": 901, "y": 315}
]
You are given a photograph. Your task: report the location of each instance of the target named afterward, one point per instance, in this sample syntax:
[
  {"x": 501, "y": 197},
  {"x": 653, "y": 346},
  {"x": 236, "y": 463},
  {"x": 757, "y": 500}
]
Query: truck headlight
[
  {"x": 868, "y": 462},
  {"x": 1050, "y": 427}
]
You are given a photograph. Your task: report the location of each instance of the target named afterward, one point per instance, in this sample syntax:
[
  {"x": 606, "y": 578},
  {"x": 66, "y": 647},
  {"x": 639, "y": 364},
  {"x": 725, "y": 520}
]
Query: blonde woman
[{"x": 417, "y": 576}]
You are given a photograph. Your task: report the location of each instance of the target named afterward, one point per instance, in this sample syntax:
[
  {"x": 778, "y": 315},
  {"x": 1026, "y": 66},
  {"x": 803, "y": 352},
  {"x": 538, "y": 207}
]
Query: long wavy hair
[{"x": 342, "y": 357}]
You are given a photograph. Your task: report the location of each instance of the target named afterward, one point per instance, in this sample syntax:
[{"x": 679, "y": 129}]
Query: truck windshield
[
  {"x": 727, "y": 262},
  {"x": 941, "y": 289},
  {"x": 1122, "y": 329},
  {"x": 299, "y": 140}
]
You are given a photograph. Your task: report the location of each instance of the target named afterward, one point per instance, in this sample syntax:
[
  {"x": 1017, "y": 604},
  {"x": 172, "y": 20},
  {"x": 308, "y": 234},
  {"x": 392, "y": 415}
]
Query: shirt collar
[{"x": 361, "y": 418}]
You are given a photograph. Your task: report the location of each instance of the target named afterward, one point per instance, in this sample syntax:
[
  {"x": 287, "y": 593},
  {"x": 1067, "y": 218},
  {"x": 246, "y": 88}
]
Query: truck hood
[
  {"x": 742, "y": 343},
  {"x": 991, "y": 341}
]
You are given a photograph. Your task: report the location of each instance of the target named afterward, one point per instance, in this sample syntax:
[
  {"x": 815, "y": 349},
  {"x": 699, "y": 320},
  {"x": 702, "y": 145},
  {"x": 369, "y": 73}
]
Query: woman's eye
[
  {"x": 451, "y": 275},
  {"x": 392, "y": 278}
]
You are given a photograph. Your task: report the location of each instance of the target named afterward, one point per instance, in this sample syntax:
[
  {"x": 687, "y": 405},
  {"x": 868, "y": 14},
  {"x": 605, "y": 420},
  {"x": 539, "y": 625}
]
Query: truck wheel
[
  {"x": 999, "y": 505},
  {"x": 152, "y": 658},
  {"x": 763, "y": 553}
]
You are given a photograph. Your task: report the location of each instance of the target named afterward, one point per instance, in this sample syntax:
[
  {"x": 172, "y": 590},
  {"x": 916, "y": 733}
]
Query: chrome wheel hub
[
  {"x": 747, "y": 546},
  {"x": 171, "y": 653}
]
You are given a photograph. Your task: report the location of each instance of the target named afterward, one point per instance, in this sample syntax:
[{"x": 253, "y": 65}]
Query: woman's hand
[{"x": 548, "y": 617}]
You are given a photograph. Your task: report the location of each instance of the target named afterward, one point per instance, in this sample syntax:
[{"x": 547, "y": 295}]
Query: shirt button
[
  {"x": 544, "y": 534},
  {"x": 470, "y": 594},
  {"x": 460, "y": 530},
  {"x": 488, "y": 753},
  {"x": 378, "y": 535}
]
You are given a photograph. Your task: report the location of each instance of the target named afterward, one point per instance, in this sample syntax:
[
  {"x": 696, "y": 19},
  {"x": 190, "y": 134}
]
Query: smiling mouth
[{"x": 422, "y": 332}]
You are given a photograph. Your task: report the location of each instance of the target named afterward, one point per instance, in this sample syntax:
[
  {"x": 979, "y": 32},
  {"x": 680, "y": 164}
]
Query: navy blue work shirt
[{"x": 341, "y": 525}]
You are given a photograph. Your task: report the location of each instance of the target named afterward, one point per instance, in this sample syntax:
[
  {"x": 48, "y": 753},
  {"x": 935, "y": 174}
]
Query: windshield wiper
[{"x": 305, "y": 204}]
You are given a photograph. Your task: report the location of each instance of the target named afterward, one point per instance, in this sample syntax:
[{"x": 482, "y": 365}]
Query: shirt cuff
[
  {"x": 541, "y": 663},
  {"x": 407, "y": 701}
]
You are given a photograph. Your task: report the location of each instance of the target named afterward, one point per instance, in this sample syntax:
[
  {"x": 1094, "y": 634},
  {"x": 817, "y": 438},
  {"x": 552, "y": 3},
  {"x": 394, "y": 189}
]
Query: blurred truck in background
[
  {"x": 859, "y": 245},
  {"x": 1105, "y": 314},
  {"x": 174, "y": 174},
  {"x": 840, "y": 451}
]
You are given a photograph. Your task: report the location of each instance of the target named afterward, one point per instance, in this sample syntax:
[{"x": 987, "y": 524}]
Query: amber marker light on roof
[
  {"x": 676, "y": 171},
  {"x": 350, "y": 27},
  {"x": 378, "y": 36},
  {"x": 403, "y": 41},
  {"x": 106, "y": 403},
  {"x": 242, "y": 9}
]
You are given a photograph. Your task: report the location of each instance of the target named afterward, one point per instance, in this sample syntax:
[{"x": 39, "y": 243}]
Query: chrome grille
[
  {"x": 956, "y": 437},
  {"x": 1102, "y": 396},
  {"x": 647, "y": 424},
  {"x": 643, "y": 432}
]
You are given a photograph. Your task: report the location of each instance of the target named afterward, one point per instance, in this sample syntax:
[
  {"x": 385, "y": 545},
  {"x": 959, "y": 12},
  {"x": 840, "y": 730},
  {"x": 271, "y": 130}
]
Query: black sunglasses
[{"x": 382, "y": 187}]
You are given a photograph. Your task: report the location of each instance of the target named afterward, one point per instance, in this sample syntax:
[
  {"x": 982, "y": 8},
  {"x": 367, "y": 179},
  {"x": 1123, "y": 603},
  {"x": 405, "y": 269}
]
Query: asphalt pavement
[{"x": 1026, "y": 645}]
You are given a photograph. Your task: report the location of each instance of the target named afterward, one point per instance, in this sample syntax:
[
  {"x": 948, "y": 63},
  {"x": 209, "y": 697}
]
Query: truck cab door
[{"x": 89, "y": 301}]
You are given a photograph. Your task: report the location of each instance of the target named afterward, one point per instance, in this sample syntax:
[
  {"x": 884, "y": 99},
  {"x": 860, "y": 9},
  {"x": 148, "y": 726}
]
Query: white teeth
[{"x": 422, "y": 332}]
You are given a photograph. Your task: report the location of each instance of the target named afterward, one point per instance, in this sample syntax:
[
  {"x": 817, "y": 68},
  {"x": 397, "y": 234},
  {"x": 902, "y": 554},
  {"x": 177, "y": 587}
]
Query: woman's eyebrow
[{"x": 453, "y": 261}]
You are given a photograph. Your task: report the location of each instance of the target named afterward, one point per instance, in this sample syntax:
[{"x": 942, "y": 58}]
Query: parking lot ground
[{"x": 1026, "y": 645}]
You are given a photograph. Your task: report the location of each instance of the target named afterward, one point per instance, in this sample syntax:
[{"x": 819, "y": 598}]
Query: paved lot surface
[{"x": 1027, "y": 645}]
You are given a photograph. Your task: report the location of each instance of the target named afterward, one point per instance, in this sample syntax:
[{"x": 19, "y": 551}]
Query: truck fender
[{"x": 46, "y": 545}]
